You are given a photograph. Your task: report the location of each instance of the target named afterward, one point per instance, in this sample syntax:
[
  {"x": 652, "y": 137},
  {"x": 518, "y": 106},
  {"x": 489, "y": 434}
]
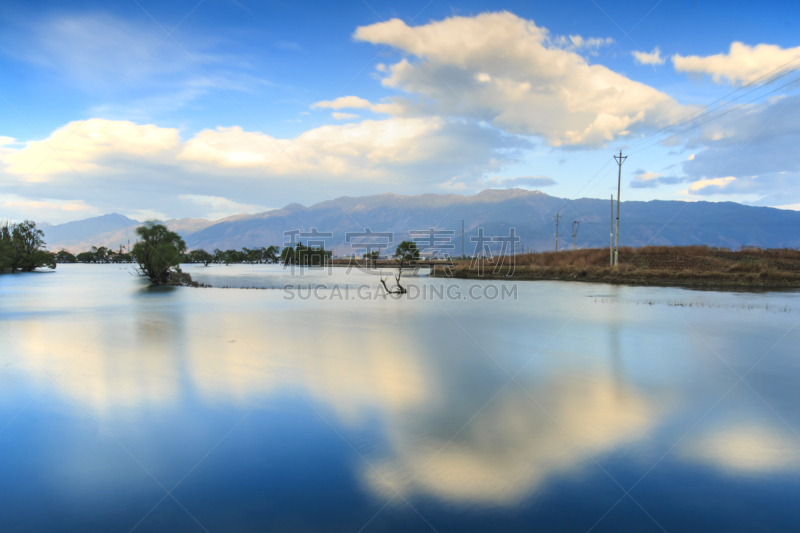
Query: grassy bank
[{"x": 651, "y": 265}]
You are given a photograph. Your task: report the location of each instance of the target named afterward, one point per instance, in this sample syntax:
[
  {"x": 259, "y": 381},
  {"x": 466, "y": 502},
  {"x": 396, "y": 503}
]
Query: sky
[{"x": 206, "y": 109}]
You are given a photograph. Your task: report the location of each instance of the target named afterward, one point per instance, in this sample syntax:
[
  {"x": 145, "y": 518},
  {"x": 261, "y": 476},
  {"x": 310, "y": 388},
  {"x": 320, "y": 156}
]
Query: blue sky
[{"x": 236, "y": 109}]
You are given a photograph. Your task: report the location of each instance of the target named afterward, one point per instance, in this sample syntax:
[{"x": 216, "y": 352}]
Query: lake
[{"x": 540, "y": 406}]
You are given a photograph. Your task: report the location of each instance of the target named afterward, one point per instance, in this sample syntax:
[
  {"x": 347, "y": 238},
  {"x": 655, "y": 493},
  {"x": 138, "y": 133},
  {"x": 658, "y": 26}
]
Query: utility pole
[
  {"x": 575, "y": 226},
  {"x": 462, "y": 238},
  {"x": 556, "y": 216},
  {"x": 611, "y": 234},
  {"x": 619, "y": 159}
]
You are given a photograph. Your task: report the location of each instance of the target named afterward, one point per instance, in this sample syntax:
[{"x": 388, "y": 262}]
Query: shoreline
[{"x": 649, "y": 278}]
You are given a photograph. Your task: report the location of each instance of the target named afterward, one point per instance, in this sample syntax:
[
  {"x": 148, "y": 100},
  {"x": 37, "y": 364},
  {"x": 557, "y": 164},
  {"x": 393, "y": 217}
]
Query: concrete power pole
[
  {"x": 462, "y": 238},
  {"x": 556, "y": 216},
  {"x": 619, "y": 159},
  {"x": 611, "y": 234},
  {"x": 575, "y": 226}
]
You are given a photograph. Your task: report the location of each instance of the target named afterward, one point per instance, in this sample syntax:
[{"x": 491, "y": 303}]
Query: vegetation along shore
[{"x": 649, "y": 265}]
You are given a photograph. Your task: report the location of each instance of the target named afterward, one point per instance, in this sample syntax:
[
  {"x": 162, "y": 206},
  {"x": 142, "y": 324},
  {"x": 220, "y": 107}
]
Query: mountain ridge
[{"x": 666, "y": 222}]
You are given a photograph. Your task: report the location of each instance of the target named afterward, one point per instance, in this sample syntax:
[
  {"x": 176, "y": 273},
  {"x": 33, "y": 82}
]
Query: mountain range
[{"x": 530, "y": 213}]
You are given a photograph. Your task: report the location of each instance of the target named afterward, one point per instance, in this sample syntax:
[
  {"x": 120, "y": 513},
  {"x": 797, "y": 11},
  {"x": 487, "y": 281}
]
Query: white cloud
[
  {"x": 647, "y": 176},
  {"x": 222, "y": 207},
  {"x": 510, "y": 72},
  {"x": 100, "y": 145},
  {"x": 120, "y": 164},
  {"x": 343, "y": 102},
  {"x": 17, "y": 208},
  {"x": 652, "y": 58},
  {"x": 748, "y": 449},
  {"x": 349, "y": 149},
  {"x": 355, "y": 102},
  {"x": 742, "y": 64},
  {"x": 343, "y": 116},
  {"x": 85, "y": 146},
  {"x": 710, "y": 186}
]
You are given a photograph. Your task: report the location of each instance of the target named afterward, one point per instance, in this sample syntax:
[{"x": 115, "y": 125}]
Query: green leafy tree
[
  {"x": 305, "y": 255},
  {"x": 406, "y": 253},
  {"x": 22, "y": 248},
  {"x": 371, "y": 257},
  {"x": 270, "y": 254},
  {"x": 200, "y": 256},
  {"x": 159, "y": 251},
  {"x": 85, "y": 257},
  {"x": 63, "y": 256}
]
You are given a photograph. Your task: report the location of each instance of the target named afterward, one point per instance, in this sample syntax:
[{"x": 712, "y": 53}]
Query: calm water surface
[{"x": 126, "y": 407}]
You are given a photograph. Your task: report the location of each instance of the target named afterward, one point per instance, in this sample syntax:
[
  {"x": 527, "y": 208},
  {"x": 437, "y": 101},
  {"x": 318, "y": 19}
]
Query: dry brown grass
[{"x": 678, "y": 265}]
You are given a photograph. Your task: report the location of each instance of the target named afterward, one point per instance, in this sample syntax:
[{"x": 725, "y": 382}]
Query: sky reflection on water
[{"x": 263, "y": 412}]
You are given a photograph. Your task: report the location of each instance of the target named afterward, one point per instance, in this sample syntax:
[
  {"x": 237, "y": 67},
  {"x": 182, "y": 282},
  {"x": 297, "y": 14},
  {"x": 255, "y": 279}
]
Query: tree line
[
  {"x": 158, "y": 253},
  {"x": 105, "y": 255}
]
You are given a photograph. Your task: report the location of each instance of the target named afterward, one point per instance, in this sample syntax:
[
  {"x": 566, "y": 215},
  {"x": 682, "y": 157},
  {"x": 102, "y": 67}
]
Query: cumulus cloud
[
  {"x": 343, "y": 116},
  {"x": 356, "y": 102},
  {"x": 86, "y": 146},
  {"x": 742, "y": 64},
  {"x": 353, "y": 102},
  {"x": 514, "y": 75},
  {"x": 118, "y": 164},
  {"x": 350, "y": 149},
  {"x": 357, "y": 149},
  {"x": 652, "y": 58}
]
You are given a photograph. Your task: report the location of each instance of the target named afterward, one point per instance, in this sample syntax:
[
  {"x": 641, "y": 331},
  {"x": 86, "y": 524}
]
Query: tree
[
  {"x": 270, "y": 254},
  {"x": 200, "y": 256},
  {"x": 406, "y": 253},
  {"x": 84, "y": 257},
  {"x": 232, "y": 256},
  {"x": 159, "y": 251},
  {"x": 63, "y": 256},
  {"x": 371, "y": 257},
  {"x": 305, "y": 255},
  {"x": 22, "y": 248}
]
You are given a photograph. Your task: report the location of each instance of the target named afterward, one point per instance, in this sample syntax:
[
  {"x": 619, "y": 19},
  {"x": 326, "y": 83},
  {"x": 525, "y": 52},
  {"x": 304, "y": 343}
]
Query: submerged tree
[
  {"x": 305, "y": 255},
  {"x": 270, "y": 254},
  {"x": 63, "y": 256},
  {"x": 22, "y": 248},
  {"x": 406, "y": 253},
  {"x": 159, "y": 251},
  {"x": 199, "y": 256},
  {"x": 371, "y": 258}
]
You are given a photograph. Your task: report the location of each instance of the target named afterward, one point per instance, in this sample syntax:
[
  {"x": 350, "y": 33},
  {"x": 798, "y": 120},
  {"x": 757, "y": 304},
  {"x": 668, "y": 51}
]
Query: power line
[
  {"x": 639, "y": 141},
  {"x": 715, "y": 118}
]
